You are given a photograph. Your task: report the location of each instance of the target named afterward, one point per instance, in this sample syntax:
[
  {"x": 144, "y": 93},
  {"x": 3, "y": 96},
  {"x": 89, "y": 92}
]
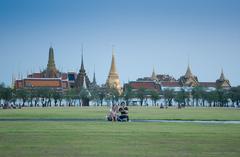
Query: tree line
[{"x": 46, "y": 97}]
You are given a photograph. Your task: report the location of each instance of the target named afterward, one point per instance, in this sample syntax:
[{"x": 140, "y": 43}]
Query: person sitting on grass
[
  {"x": 124, "y": 112},
  {"x": 113, "y": 113}
]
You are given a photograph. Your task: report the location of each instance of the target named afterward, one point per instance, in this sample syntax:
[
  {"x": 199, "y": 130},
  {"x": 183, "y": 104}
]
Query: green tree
[
  {"x": 57, "y": 96},
  {"x": 113, "y": 94},
  {"x": 2, "y": 86},
  {"x": 168, "y": 95},
  {"x": 154, "y": 95},
  {"x": 197, "y": 94},
  {"x": 102, "y": 93},
  {"x": 222, "y": 97},
  {"x": 128, "y": 94},
  {"x": 209, "y": 96},
  {"x": 94, "y": 93},
  {"x": 6, "y": 96},
  {"x": 180, "y": 98},
  {"x": 234, "y": 95},
  {"x": 22, "y": 94},
  {"x": 70, "y": 96},
  {"x": 85, "y": 96},
  {"x": 141, "y": 94}
]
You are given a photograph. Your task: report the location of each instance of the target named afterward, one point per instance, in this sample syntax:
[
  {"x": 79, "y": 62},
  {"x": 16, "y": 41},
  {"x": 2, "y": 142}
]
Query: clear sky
[{"x": 146, "y": 34}]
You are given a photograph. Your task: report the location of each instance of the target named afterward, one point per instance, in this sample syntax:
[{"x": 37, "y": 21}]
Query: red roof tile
[
  {"x": 143, "y": 84},
  {"x": 207, "y": 84},
  {"x": 170, "y": 84}
]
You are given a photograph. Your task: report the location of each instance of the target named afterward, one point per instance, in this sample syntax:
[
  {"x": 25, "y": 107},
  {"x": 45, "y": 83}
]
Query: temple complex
[
  {"x": 113, "y": 78},
  {"x": 51, "y": 77}
]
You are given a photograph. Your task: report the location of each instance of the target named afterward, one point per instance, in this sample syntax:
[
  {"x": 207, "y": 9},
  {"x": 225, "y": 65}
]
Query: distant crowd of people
[{"x": 118, "y": 113}]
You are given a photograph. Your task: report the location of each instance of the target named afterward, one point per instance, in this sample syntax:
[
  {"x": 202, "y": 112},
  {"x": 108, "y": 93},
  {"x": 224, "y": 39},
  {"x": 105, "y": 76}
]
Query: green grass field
[
  {"x": 110, "y": 139},
  {"x": 134, "y": 113}
]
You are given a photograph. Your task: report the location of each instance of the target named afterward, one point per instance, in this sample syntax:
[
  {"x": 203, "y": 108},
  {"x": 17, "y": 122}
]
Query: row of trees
[
  {"x": 73, "y": 97},
  {"x": 198, "y": 96},
  {"x": 47, "y": 97}
]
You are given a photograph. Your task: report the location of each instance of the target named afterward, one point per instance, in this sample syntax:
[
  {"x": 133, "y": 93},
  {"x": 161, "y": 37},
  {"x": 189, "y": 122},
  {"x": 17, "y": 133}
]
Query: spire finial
[
  {"x": 94, "y": 77},
  {"x": 154, "y": 77},
  {"x": 113, "y": 66},
  {"x": 82, "y": 64},
  {"x": 113, "y": 51},
  {"x": 222, "y": 77},
  {"x": 188, "y": 72}
]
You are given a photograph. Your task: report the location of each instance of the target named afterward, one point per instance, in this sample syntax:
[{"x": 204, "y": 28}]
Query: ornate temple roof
[
  {"x": 188, "y": 79},
  {"x": 223, "y": 82},
  {"x": 82, "y": 76},
  {"x": 222, "y": 77}
]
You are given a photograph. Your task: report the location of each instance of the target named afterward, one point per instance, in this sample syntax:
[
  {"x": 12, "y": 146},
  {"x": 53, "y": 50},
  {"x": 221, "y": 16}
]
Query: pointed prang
[
  {"x": 51, "y": 61},
  {"x": 188, "y": 72},
  {"x": 113, "y": 66},
  {"x": 154, "y": 77},
  {"x": 82, "y": 64},
  {"x": 222, "y": 77},
  {"x": 94, "y": 78}
]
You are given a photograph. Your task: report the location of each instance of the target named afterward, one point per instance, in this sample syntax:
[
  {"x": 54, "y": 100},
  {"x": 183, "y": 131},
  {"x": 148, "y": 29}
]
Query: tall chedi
[
  {"x": 154, "y": 77},
  {"x": 51, "y": 71},
  {"x": 113, "y": 78}
]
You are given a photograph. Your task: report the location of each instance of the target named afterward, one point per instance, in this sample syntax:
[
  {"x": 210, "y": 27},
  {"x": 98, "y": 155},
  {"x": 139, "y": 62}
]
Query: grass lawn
[
  {"x": 134, "y": 113},
  {"x": 108, "y": 139}
]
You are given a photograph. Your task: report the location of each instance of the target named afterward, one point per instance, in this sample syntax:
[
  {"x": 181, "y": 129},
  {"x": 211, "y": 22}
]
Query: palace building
[{"x": 188, "y": 82}]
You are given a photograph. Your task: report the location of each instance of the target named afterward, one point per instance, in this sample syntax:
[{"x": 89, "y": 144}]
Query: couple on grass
[{"x": 114, "y": 113}]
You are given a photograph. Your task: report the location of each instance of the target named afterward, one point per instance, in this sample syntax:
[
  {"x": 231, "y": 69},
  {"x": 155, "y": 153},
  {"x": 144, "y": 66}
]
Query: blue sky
[{"x": 146, "y": 34}]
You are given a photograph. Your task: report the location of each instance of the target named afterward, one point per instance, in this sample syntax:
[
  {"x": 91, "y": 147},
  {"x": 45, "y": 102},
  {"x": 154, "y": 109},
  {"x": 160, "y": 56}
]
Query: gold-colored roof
[{"x": 113, "y": 78}]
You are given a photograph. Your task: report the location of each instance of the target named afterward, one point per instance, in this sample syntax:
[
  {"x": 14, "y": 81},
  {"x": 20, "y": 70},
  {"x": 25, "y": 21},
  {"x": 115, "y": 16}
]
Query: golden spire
[
  {"x": 113, "y": 65},
  {"x": 113, "y": 78},
  {"x": 154, "y": 77}
]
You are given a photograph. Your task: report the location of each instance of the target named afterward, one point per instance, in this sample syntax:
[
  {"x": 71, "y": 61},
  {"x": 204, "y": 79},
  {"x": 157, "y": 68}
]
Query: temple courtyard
[{"x": 76, "y": 131}]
